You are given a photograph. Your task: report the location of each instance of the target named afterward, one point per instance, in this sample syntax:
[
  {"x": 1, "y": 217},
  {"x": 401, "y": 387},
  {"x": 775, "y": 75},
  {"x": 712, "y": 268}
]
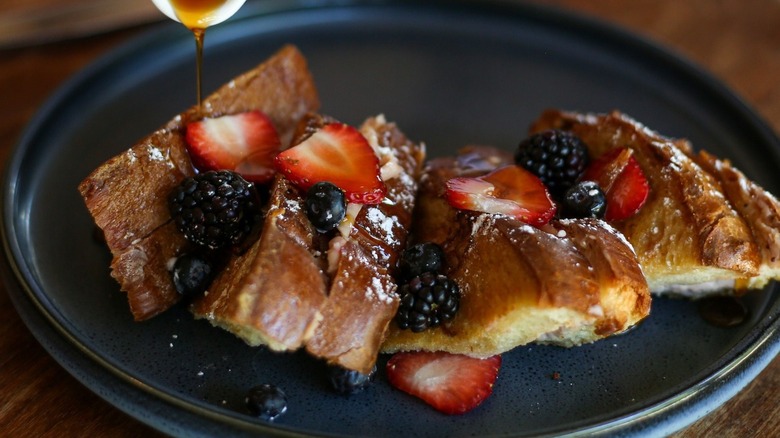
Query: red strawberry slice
[
  {"x": 245, "y": 143},
  {"x": 451, "y": 383},
  {"x": 618, "y": 174},
  {"x": 510, "y": 190},
  {"x": 339, "y": 154}
]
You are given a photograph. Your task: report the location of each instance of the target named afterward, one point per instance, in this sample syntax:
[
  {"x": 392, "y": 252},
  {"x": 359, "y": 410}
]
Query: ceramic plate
[{"x": 450, "y": 74}]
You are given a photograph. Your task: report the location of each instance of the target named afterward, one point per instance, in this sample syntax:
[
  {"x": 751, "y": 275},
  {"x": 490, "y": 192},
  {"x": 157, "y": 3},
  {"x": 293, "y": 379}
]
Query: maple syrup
[{"x": 197, "y": 15}]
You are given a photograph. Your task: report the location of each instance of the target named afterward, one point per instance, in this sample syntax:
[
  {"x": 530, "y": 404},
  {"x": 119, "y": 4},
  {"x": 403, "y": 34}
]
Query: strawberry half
[
  {"x": 451, "y": 383},
  {"x": 510, "y": 190},
  {"x": 618, "y": 174},
  {"x": 245, "y": 143},
  {"x": 339, "y": 154}
]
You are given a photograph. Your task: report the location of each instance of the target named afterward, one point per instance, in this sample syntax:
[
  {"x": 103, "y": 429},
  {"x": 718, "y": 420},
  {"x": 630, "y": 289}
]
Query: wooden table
[{"x": 737, "y": 40}]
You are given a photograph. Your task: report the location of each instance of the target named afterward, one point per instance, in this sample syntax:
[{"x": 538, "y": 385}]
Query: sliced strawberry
[
  {"x": 618, "y": 173},
  {"x": 510, "y": 190},
  {"x": 245, "y": 143},
  {"x": 451, "y": 383},
  {"x": 339, "y": 154}
]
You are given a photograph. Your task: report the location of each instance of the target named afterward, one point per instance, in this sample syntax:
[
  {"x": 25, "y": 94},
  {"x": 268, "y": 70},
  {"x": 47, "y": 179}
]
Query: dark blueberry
[
  {"x": 192, "y": 274},
  {"x": 266, "y": 401},
  {"x": 585, "y": 200},
  {"x": 326, "y": 206},
  {"x": 421, "y": 258},
  {"x": 427, "y": 301},
  {"x": 557, "y": 157},
  {"x": 346, "y": 381},
  {"x": 215, "y": 209}
]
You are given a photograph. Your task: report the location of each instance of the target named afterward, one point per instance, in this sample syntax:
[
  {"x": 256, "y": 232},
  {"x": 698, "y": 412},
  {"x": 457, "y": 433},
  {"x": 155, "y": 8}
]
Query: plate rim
[{"x": 763, "y": 346}]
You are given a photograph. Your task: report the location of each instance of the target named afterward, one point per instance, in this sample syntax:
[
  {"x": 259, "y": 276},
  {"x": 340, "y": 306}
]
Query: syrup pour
[{"x": 197, "y": 15}]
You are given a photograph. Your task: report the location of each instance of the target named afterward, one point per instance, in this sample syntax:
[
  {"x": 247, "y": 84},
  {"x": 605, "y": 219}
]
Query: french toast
[
  {"x": 569, "y": 282},
  {"x": 332, "y": 294},
  {"x": 705, "y": 227},
  {"x": 127, "y": 195}
]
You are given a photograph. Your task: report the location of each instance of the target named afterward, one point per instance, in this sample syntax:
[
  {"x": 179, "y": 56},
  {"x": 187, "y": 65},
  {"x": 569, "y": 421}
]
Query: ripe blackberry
[
  {"x": 557, "y": 157},
  {"x": 426, "y": 301},
  {"x": 215, "y": 209},
  {"x": 266, "y": 401},
  {"x": 585, "y": 200},
  {"x": 347, "y": 382},
  {"x": 420, "y": 258},
  {"x": 326, "y": 206}
]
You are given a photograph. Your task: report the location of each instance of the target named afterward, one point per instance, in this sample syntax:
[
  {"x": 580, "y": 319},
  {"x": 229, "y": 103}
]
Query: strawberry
[
  {"x": 510, "y": 190},
  {"x": 618, "y": 174},
  {"x": 451, "y": 383},
  {"x": 244, "y": 143},
  {"x": 339, "y": 154}
]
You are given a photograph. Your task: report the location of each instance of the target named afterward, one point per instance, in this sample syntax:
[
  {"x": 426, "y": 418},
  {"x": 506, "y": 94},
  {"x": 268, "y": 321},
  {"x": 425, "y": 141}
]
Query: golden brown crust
[
  {"x": 127, "y": 195},
  {"x": 568, "y": 283},
  {"x": 759, "y": 208},
  {"x": 272, "y": 293},
  {"x": 687, "y": 232}
]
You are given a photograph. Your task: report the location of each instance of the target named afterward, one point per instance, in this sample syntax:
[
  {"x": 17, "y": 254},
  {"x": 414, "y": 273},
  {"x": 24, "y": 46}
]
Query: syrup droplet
[{"x": 723, "y": 311}]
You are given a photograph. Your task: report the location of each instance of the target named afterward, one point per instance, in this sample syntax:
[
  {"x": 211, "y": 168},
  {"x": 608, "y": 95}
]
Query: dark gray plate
[{"x": 450, "y": 75}]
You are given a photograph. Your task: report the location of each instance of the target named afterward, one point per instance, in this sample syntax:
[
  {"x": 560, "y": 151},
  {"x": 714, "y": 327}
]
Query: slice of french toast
[
  {"x": 567, "y": 283},
  {"x": 127, "y": 195},
  {"x": 333, "y": 294},
  {"x": 705, "y": 227}
]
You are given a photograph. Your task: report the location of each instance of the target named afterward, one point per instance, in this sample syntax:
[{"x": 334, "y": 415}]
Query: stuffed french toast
[
  {"x": 128, "y": 195},
  {"x": 705, "y": 228}
]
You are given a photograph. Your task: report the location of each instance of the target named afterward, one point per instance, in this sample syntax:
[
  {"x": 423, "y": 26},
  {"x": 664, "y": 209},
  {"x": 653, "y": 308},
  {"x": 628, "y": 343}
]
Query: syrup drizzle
[{"x": 197, "y": 15}]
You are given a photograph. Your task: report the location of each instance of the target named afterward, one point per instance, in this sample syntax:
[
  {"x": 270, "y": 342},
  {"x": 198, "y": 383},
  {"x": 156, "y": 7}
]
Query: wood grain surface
[{"x": 737, "y": 40}]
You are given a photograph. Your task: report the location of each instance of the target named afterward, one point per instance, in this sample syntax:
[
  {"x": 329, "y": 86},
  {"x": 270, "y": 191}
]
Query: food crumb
[{"x": 556, "y": 375}]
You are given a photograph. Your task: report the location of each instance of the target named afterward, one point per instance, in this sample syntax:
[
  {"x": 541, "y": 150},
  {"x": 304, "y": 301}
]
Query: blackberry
[
  {"x": 266, "y": 401},
  {"x": 585, "y": 200},
  {"x": 326, "y": 206},
  {"x": 557, "y": 157},
  {"x": 347, "y": 382},
  {"x": 426, "y": 301},
  {"x": 421, "y": 258},
  {"x": 215, "y": 209},
  {"x": 192, "y": 274}
]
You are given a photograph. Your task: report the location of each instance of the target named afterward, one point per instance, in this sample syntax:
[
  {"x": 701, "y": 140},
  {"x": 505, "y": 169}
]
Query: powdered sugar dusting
[
  {"x": 386, "y": 224},
  {"x": 377, "y": 291}
]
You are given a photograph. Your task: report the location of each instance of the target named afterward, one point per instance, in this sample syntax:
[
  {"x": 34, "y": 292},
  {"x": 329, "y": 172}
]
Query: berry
[
  {"x": 245, "y": 143},
  {"x": 557, "y": 157},
  {"x": 618, "y": 174},
  {"x": 347, "y": 382},
  {"x": 585, "y": 200},
  {"x": 326, "y": 206},
  {"x": 421, "y": 258},
  {"x": 337, "y": 153},
  {"x": 215, "y": 209},
  {"x": 451, "y": 383},
  {"x": 266, "y": 401},
  {"x": 426, "y": 301},
  {"x": 510, "y": 190},
  {"x": 192, "y": 274}
]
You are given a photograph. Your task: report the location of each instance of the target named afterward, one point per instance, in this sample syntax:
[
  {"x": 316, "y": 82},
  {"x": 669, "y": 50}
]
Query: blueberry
[
  {"x": 266, "y": 401},
  {"x": 192, "y": 274},
  {"x": 326, "y": 206},
  {"x": 585, "y": 200},
  {"x": 421, "y": 258},
  {"x": 347, "y": 382}
]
